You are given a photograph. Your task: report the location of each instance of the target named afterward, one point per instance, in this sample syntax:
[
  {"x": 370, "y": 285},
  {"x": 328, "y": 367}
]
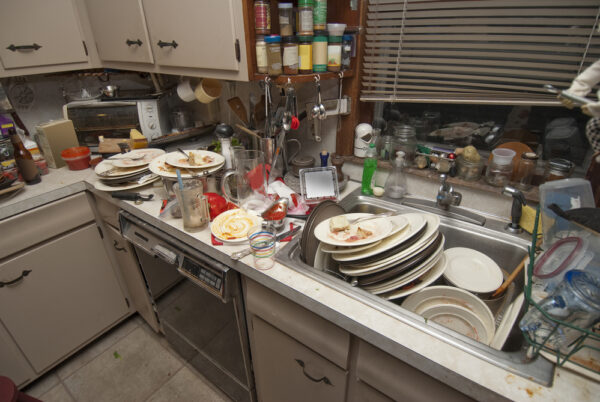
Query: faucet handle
[{"x": 443, "y": 178}]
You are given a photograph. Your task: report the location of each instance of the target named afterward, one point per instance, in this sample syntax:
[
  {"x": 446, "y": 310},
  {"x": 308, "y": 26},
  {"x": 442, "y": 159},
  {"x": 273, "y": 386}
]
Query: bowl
[{"x": 77, "y": 158}]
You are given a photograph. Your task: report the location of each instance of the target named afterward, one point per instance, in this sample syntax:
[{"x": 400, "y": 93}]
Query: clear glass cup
[
  {"x": 193, "y": 204},
  {"x": 405, "y": 140},
  {"x": 264, "y": 245},
  {"x": 469, "y": 171}
]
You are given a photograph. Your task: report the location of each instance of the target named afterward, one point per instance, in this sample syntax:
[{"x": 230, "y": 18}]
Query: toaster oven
[{"x": 115, "y": 119}]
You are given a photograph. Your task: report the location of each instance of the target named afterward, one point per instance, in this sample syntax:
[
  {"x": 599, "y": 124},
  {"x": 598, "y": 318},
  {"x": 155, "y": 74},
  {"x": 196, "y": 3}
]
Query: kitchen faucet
[
  {"x": 516, "y": 209},
  {"x": 446, "y": 195}
]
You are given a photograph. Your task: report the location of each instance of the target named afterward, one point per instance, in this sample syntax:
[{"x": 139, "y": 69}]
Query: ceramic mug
[
  {"x": 208, "y": 90},
  {"x": 185, "y": 91}
]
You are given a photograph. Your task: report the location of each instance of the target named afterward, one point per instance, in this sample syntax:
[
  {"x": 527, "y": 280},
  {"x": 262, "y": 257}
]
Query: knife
[
  {"x": 130, "y": 196},
  {"x": 241, "y": 254}
]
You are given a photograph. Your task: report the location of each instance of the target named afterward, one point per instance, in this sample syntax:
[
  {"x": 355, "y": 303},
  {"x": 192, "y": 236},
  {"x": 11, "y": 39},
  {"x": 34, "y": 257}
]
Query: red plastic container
[{"x": 77, "y": 158}]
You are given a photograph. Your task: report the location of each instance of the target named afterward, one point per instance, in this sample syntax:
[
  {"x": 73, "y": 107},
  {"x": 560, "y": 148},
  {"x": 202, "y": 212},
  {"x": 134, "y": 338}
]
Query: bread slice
[{"x": 338, "y": 224}]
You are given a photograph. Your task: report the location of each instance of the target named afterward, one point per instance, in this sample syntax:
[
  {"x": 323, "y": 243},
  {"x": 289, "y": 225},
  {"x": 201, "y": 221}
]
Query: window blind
[{"x": 476, "y": 51}]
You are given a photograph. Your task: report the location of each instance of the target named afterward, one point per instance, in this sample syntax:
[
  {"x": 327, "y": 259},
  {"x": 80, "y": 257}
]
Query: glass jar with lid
[
  {"x": 305, "y": 54},
  {"x": 558, "y": 168},
  {"x": 500, "y": 169},
  {"x": 274, "y": 55},
  {"x": 286, "y": 19},
  {"x": 262, "y": 64},
  {"x": 305, "y": 17},
  {"x": 405, "y": 139},
  {"x": 290, "y": 55},
  {"x": 469, "y": 170},
  {"x": 526, "y": 170},
  {"x": 320, "y": 52},
  {"x": 262, "y": 17},
  {"x": 320, "y": 14}
]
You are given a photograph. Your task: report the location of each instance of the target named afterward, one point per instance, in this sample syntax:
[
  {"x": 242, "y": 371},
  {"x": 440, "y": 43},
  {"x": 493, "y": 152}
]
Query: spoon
[
  {"x": 186, "y": 155},
  {"x": 322, "y": 112}
]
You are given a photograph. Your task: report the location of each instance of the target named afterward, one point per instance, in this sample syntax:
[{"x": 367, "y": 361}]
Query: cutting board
[{"x": 111, "y": 145}]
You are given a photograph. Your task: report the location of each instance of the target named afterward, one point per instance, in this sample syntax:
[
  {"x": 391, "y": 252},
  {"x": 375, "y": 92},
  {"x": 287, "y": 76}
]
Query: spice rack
[{"x": 580, "y": 344}]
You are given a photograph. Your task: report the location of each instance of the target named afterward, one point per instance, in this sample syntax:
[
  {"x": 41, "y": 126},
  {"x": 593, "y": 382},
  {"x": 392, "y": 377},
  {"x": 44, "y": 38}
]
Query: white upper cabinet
[
  {"x": 194, "y": 33},
  {"x": 40, "y": 33},
  {"x": 120, "y": 30}
]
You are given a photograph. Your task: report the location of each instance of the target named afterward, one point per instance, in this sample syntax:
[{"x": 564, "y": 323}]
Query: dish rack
[{"x": 535, "y": 348}]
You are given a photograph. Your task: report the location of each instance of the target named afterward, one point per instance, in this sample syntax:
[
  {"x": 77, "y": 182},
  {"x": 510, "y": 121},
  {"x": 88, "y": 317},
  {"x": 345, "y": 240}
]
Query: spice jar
[
  {"x": 290, "y": 55},
  {"x": 305, "y": 54},
  {"x": 346, "y": 51},
  {"x": 500, "y": 168},
  {"x": 286, "y": 19},
  {"x": 334, "y": 47},
  {"x": 526, "y": 170},
  {"x": 262, "y": 17},
  {"x": 320, "y": 52},
  {"x": 557, "y": 169},
  {"x": 274, "y": 54},
  {"x": 262, "y": 63},
  {"x": 320, "y": 14},
  {"x": 305, "y": 17}
]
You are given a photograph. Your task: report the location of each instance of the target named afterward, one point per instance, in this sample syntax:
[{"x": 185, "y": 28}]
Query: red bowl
[{"x": 77, "y": 158}]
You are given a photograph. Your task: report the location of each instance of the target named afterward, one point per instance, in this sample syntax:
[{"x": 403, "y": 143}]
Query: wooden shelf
[{"x": 283, "y": 79}]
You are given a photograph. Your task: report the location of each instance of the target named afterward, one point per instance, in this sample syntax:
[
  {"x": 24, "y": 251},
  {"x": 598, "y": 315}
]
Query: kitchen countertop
[{"x": 443, "y": 360}]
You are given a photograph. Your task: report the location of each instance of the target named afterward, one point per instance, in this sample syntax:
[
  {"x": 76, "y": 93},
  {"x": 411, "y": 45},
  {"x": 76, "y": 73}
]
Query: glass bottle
[
  {"x": 286, "y": 19},
  {"x": 395, "y": 185},
  {"x": 369, "y": 168},
  {"x": 305, "y": 17},
  {"x": 24, "y": 160},
  {"x": 262, "y": 17}
]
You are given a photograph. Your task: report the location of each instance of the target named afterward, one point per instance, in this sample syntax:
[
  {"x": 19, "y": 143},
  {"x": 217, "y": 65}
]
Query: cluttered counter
[{"x": 442, "y": 360}]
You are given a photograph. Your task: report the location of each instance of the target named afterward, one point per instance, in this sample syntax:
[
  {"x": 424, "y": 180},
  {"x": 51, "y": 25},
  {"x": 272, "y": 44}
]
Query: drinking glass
[{"x": 250, "y": 174}]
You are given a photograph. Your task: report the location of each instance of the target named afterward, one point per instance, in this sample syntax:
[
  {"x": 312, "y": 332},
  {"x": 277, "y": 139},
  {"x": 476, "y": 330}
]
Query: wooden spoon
[{"x": 239, "y": 109}]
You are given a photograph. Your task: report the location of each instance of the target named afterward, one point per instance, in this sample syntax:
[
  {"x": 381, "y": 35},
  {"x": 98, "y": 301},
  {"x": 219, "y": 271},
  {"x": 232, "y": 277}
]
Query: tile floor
[{"x": 130, "y": 363}]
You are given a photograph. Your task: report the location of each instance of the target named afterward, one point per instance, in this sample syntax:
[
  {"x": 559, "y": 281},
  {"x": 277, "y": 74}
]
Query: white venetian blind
[{"x": 477, "y": 51}]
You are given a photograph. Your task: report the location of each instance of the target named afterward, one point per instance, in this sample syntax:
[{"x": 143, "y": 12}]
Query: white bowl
[{"x": 459, "y": 319}]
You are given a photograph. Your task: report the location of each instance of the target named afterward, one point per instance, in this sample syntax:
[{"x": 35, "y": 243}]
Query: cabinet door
[
  {"x": 12, "y": 362},
  {"x": 120, "y": 30},
  {"x": 132, "y": 275},
  {"x": 51, "y": 25},
  {"x": 70, "y": 296},
  {"x": 193, "y": 33},
  {"x": 286, "y": 370}
]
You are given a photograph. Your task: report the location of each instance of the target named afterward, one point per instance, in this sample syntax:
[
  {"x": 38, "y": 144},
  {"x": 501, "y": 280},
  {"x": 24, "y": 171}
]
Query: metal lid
[
  {"x": 223, "y": 130},
  {"x": 285, "y": 5},
  {"x": 561, "y": 165},
  {"x": 532, "y": 156}
]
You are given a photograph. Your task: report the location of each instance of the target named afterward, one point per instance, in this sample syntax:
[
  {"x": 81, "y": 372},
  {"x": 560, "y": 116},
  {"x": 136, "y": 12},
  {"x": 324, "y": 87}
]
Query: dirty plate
[
  {"x": 233, "y": 225},
  {"x": 160, "y": 167},
  {"x": 204, "y": 159},
  {"x": 136, "y": 158},
  {"x": 376, "y": 229}
]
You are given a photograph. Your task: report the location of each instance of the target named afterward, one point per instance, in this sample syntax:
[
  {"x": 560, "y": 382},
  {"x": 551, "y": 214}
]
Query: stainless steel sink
[{"x": 461, "y": 228}]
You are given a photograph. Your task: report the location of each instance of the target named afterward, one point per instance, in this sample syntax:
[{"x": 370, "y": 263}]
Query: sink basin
[{"x": 461, "y": 228}]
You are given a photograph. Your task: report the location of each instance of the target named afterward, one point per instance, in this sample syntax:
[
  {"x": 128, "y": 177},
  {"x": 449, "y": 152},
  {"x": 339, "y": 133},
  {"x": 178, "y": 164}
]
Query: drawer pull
[
  {"x": 162, "y": 44},
  {"x": 325, "y": 380},
  {"x": 14, "y": 48},
  {"x": 130, "y": 42},
  {"x": 23, "y": 275},
  {"x": 116, "y": 246}
]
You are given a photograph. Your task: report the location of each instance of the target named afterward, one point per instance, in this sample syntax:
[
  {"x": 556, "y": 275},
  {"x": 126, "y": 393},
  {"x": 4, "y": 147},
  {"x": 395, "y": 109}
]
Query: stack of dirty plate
[
  {"x": 127, "y": 171},
  {"x": 404, "y": 254},
  {"x": 201, "y": 163}
]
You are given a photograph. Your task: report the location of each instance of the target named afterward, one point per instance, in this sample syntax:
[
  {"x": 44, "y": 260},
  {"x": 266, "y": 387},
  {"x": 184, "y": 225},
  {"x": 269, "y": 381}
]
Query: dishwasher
[{"x": 199, "y": 306}]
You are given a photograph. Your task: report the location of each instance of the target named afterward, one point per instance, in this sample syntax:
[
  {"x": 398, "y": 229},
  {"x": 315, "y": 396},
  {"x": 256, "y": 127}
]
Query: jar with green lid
[
  {"x": 305, "y": 17},
  {"x": 286, "y": 19},
  {"x": 305, "y": 54},
  {"x": 290, "y": 55},
  {"x": 320, "y": 52},
  {"x": 320, "y": 15},
  {"x": 274, "y": 55},
  {"x": 334, "y": 53},
  {"x": 262, "y": 64}
]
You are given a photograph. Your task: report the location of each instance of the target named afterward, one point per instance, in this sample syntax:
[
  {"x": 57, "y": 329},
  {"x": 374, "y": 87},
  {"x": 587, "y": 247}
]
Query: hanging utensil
[
  {"x": 339, "y": 103},
  {"x": 237, "y": 106}
]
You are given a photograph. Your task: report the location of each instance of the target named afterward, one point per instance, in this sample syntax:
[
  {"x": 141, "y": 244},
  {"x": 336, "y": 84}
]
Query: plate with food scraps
[
  {"x": 99, "y": 185},
  {"x": 232, "y": 226},
  {"x": 106, "y": 169},
  {"x": 160, "y": 167},
  {"x": 136, "y": 158},
  {"x": 338, "y": 231},
  {"x": 197, "y": 159}
]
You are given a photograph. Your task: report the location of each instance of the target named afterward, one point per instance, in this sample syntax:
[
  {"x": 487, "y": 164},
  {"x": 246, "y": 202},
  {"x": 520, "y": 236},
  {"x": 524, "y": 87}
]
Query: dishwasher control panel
[{"x": 200, "y": 273}]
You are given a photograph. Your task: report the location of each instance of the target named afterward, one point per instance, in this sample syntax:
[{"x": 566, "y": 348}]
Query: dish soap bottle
[
  {"x": 369, "y": 168},
  {"x": 395, "y": 185}
]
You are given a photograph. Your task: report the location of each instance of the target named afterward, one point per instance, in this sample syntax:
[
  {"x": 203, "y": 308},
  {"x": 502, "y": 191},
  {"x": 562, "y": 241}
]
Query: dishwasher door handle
[{"x": 168, "y": 256}]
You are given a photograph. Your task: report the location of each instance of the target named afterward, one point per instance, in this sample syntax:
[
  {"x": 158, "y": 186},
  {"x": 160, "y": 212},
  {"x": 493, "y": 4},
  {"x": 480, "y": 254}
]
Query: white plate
[
  {"x": 416, "y": 221},
  {"x": 407, "y": 277},
  {"x": 146, "y": 155},
  {"x": 107, "y": 165},
  {"x": 369, "y": 268},
  {"x": 158, "y": 166},
  {"x": 327, "y": 248},
  {"x": 509, "y": 318},
  {"x": 380, "y": 228},
  {"x": 459, "y": 319},
  {"x": 322, "y": 259},
  {"x": 236, "y": 220},
  {"x": 472, "y": 270},
  {"x": 427, "y": 279},
  {"x": 178, "y": 160},
  {"x": 103, "y": 187},
  {"x": 437, "y": 295}
]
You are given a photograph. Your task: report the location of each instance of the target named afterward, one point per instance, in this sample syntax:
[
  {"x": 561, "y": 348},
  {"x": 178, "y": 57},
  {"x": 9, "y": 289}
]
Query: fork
[{"x": 367, "y": 218}]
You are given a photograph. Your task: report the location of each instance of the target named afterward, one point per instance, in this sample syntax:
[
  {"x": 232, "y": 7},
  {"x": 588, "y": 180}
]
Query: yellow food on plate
[
  {"x": 234, "y": 224},
  {"x": 197, "y": 159}
]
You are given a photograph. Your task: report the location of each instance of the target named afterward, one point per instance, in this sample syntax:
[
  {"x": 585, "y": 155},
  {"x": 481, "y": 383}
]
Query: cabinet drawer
[
  {"x": 37, "y": 225},
  {"x": 320, "y": 335},
  {"x": 398, "y": 380},
  {"x": 286, "y": 370}
]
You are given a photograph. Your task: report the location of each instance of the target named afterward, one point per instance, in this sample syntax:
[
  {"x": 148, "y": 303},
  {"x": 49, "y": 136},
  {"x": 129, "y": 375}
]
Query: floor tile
[
  {"x": 187, "y": 386},
  {"x": 42, "y": 385},
  {"x": 130, "y": 370},
  {"x": 57, "y": 394},
  {"x": 93, "y": 350}
]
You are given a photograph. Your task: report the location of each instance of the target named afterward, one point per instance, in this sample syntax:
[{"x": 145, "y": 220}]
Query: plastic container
[
  {"x": 500, "y": 168},
  {"x": 305, "y": 17},
  {"x": 334, "y": 47},
  {"x": 290, "y": 55},
  {"x": 320, "y": 14},
  {"x": 305, "y": 54},
  {"x": 320, "y": 52},
  {"x": 77, "y": 158},
  {"x": 346, "y": 51},
  {"x": 262, "y": 62},
  {"x": 336, "y": 29},
  {"x": 286, "y": 17},
  {"x": 369, "y": 168},
  {"x": 274, "y": 55}
]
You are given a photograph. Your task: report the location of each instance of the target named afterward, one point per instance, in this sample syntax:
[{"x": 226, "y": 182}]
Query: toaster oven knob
[{"x": 151, "y": 126}]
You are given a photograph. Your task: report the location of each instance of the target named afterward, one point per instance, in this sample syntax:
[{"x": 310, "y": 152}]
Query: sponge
[
  {"x": 528, "y": 220},
  {"x": 138, "y": 139}
]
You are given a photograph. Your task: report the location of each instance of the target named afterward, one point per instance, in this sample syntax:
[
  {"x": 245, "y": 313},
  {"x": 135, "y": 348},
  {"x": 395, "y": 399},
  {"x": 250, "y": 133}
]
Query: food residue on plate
[
  {"x": 341, "y": 230},
  {"x": 233, "y": 224}
]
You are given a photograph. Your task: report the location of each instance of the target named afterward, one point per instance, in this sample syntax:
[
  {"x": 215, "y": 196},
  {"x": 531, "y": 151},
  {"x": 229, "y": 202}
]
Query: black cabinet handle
[
  {"x": 14, "y": 48},
  {"x": 116, "y": 246},
  {"x": 23, "y": 275},
  {"x": 162, "y": 44},
  {"x": 130, "y": 42},
  {"x": 325, "y": 380}
]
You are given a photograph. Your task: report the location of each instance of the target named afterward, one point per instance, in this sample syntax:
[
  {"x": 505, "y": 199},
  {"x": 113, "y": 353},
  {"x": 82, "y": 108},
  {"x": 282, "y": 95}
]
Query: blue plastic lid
[
  {"x": 347, "y": 37},
  {"x": 272, "y": 38}
]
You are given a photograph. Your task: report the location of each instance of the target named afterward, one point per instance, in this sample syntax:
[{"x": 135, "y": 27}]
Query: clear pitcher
[{"x": 250, "y": 188}]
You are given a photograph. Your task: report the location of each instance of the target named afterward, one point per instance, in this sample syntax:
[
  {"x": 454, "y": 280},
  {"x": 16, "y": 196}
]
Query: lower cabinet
[{"x": 58, "y": 295}]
